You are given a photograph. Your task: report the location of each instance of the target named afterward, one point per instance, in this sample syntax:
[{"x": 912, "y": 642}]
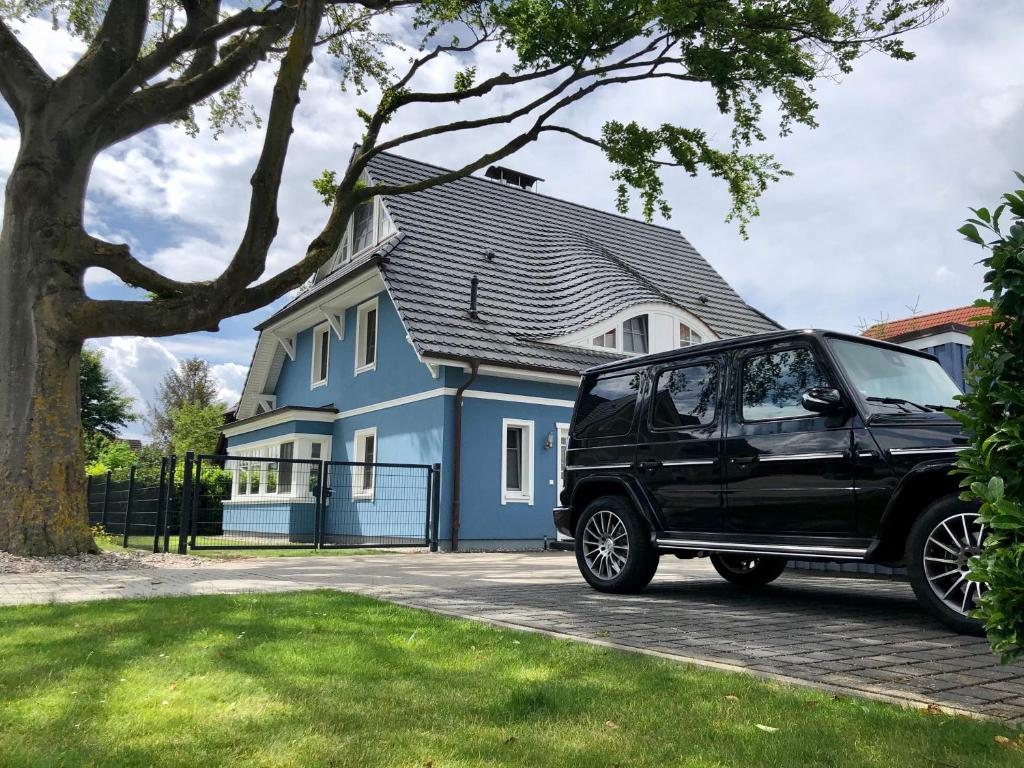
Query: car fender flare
[
  {"x": 629, "y": 487},
  {"x": 893, "y": 514}
]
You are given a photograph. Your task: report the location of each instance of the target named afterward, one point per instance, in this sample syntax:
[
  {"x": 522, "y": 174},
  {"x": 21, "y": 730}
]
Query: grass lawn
[
  {"x": 145, "y": 543},
  {"x": 329, "y": 679}
]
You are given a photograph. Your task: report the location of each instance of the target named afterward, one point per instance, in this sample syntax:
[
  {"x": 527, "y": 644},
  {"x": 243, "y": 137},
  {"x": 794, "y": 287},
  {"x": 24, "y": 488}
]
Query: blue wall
[
  {"x": 953, "y": 358},
  {"x": 398, "y": 373}
]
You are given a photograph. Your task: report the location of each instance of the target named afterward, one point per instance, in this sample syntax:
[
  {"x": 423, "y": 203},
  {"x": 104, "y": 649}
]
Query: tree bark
[{"x": 42, "y": 479}]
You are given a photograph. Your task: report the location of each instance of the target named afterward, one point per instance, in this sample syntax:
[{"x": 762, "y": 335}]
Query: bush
[{"x": 993, "y": 415}]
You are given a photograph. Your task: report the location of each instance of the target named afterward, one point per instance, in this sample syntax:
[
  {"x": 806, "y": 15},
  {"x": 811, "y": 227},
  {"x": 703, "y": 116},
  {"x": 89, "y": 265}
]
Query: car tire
[
  {"x": 748, "y": 570},
  {"x": 614, "y": 550},
  {"x": 937, "y": 530}
]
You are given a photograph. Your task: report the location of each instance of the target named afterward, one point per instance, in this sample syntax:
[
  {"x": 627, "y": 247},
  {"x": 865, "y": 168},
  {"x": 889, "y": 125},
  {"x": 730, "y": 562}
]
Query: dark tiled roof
[
  {"x": 961, "y": 317},
  {"x": 555, "y": 268}
]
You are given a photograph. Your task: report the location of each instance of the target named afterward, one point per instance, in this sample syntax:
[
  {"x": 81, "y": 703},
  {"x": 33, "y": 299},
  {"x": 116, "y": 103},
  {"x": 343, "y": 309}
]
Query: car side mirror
[{"x": 822, "y": 400}]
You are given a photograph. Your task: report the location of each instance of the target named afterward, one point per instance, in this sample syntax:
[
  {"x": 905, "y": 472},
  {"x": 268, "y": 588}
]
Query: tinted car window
[
  {"x": 606, "y": 406},
  {"x": 773, "y": 384},
  {"x": 685, "y": 397}
]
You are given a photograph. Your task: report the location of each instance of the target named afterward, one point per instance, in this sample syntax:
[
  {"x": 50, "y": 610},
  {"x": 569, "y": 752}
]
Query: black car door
[
  {"x": 787, "y": 470},
  {"x": 680, "y": 442}
]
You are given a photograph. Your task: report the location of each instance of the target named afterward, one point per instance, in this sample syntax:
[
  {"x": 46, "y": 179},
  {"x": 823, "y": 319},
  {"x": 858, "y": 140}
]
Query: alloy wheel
[
  {"x": 605, "y": 544},
  {"x": 947, "y": 554}
]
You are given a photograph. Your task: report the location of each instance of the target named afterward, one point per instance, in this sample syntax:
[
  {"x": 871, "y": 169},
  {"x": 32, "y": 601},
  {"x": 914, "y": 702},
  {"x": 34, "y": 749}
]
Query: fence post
[
  {"x": 197, "y": 491},
  {"x": 435, "y": 505},
  {"x": 106, "y": 502},
  {"x": 319, "y": 514},
  {"x": 185, "y": 517},
  {"x": 159, "y": 504},
  {"x": 128, "y": 506},
  {"x": 169, "y": 501}
]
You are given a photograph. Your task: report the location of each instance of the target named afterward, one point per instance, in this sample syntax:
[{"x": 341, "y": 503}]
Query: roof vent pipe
[{"x": 472, "y": 297}]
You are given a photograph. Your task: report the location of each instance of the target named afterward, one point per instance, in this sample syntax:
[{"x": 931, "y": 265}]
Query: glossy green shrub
[{"x": 993, "y": 414}]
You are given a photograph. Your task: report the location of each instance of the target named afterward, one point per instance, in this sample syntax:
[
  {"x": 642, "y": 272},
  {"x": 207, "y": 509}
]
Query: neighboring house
[
  {"x": 478, "y": 298},
  {"x": 943, "y": 334}
]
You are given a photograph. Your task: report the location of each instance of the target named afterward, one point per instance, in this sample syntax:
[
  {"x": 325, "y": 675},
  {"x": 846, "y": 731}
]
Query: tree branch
[
  {"x": 118, "y": 258},
  {"x": 112, "y": 51},
  {"x": 23, "y": 83},
  {"x": 153, "y": 106}
]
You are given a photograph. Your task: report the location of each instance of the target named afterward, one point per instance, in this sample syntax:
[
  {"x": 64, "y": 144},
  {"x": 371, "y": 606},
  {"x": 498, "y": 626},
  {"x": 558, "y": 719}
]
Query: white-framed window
[
  {"x": 366, "y": 336},
  {"x": 635, "y": 335},
  {"x": 321, "y": 356},
  {"x": 605, "y": 340},
  {"x": 516, "y": 461},
  {"x": 364, "y": 477},
  {"x": 259, "y": 471},
  {"x": 688, "y": 337},
  {"x": 369, "y": 225}
]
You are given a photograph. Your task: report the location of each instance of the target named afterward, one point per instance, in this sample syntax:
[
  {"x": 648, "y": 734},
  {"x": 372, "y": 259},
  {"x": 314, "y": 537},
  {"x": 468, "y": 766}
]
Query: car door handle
[{"x": 743, "y": 460}]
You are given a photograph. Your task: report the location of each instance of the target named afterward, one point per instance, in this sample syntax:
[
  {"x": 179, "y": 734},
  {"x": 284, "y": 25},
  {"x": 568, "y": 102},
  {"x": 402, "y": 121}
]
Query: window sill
[
  {"x": 317, "y": 384},
  {"x": 265, "y": 497},
  {"x": 364, "y": 368},
  {"x": 510, "y": 498},
  {"x": 364, "y": 496}
]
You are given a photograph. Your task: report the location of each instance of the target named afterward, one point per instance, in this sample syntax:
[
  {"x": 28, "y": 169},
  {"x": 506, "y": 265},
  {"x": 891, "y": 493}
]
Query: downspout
[{"x": 474, "y": 367}]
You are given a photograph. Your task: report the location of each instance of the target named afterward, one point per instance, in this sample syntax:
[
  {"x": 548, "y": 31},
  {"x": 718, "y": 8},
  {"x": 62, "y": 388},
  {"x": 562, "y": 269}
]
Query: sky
[{"x": 864, "y": 230}]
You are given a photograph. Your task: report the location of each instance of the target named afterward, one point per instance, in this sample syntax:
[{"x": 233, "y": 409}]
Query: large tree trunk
[{"x": 42, "y": 482}]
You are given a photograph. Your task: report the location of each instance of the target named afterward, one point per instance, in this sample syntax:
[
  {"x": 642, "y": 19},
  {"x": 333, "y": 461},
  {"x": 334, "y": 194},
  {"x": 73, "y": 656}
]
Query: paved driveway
[{"x": 853, "y": 635}]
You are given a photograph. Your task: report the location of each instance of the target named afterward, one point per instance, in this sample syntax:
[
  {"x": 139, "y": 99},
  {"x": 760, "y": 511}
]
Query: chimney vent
[
  {"x": 513, "y": 178},
  {"x": 472, "y": 297}
]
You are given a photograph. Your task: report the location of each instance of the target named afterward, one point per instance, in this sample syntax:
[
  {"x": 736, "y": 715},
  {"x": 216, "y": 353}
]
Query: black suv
[{"x": 804, "y": 445}]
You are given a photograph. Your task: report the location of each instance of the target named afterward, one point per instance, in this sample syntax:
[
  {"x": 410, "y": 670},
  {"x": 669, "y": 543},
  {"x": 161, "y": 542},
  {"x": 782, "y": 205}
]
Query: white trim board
[
  {"x": 451, "y": 391},
  {"x": 289, "y": 414}
]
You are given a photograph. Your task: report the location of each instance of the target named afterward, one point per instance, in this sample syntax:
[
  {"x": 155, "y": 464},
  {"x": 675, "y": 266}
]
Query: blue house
[
  {"x": 944, "y": 334},
  {"x": 451, "y": 327}
]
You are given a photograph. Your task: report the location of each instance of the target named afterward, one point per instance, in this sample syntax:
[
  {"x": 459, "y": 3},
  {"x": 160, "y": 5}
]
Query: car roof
[{"x": 740, "y": 342}]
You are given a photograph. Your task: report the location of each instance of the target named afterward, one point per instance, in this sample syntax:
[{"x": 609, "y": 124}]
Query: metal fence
[
  {"x": 134, "y": 511},
  {"x": 250, "y": 502}
]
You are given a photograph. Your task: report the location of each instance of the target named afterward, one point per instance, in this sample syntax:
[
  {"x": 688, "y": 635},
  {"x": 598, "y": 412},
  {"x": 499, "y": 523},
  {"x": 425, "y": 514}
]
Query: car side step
[{"x": 782, "y": 550}]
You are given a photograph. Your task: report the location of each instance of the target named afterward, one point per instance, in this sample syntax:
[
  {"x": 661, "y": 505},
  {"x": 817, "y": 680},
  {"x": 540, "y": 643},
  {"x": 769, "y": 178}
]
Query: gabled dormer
[{"x": 368, "y": 227}]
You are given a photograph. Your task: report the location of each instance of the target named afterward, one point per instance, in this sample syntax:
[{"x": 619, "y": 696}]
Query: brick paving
[{"x": 860, "y": 636}]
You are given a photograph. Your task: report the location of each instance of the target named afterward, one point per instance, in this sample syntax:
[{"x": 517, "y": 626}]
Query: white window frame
[
  {"x": 383, "y": 228},
  {"x": 561, "y": 430},
  {"x": 525, "y": 495},
  {"x": 301, "y": 449},
  {"x": 693, "y": 334},
  {"x": 318, "y": 331},
  {"x": 361, "y": 312},
  {"x": 358, "y": 472}
]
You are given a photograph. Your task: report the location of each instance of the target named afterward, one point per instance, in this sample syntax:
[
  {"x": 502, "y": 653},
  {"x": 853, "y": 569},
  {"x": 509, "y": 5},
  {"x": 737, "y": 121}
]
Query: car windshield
[{"x": 887, "y": 378}]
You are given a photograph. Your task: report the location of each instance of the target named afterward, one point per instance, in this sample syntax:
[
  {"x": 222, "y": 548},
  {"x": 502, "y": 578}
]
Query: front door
[
  {"x": 678, "y": 453},
  {"x": 788, "y": 470}
]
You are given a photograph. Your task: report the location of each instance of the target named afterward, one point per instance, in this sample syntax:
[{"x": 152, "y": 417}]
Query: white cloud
[{"x": 138, "y": 365}]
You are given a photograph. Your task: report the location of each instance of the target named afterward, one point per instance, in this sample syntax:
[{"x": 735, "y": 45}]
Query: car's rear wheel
[
  {"x": 614, "y": 550},
  {"x": 942, "y": 541},
  {"x": 748, "y": 570}
]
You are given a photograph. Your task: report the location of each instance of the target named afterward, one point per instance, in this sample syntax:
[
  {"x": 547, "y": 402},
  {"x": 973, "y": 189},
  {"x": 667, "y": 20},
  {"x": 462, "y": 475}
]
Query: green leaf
[{"x": 970, "y": 232}]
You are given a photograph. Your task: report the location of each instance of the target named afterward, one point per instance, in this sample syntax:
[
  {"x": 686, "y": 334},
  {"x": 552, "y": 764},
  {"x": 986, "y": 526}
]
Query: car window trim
[
  {"x": 655, "y": 372},
  {"x": 641, "y": 393}
]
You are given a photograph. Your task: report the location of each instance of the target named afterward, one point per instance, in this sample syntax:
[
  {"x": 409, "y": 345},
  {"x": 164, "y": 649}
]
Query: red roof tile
[{"x": 965, "y": 316}]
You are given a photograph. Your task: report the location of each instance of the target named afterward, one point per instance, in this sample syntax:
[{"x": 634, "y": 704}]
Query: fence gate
[
  {"x": 134, "y": 511},
  {"x": 379, "y": 505},
  {"x": 252, "y": 502}
]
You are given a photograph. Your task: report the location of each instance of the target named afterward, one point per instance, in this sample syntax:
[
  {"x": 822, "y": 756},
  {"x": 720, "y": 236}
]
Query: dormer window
[
  {"x": 606, "y": 340},
  {"x": 369, "y": 225},
  {"x": 688, "y": 337},
  {"x": 634, "y": 335},
  {"x": 362, "y": 227}
]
